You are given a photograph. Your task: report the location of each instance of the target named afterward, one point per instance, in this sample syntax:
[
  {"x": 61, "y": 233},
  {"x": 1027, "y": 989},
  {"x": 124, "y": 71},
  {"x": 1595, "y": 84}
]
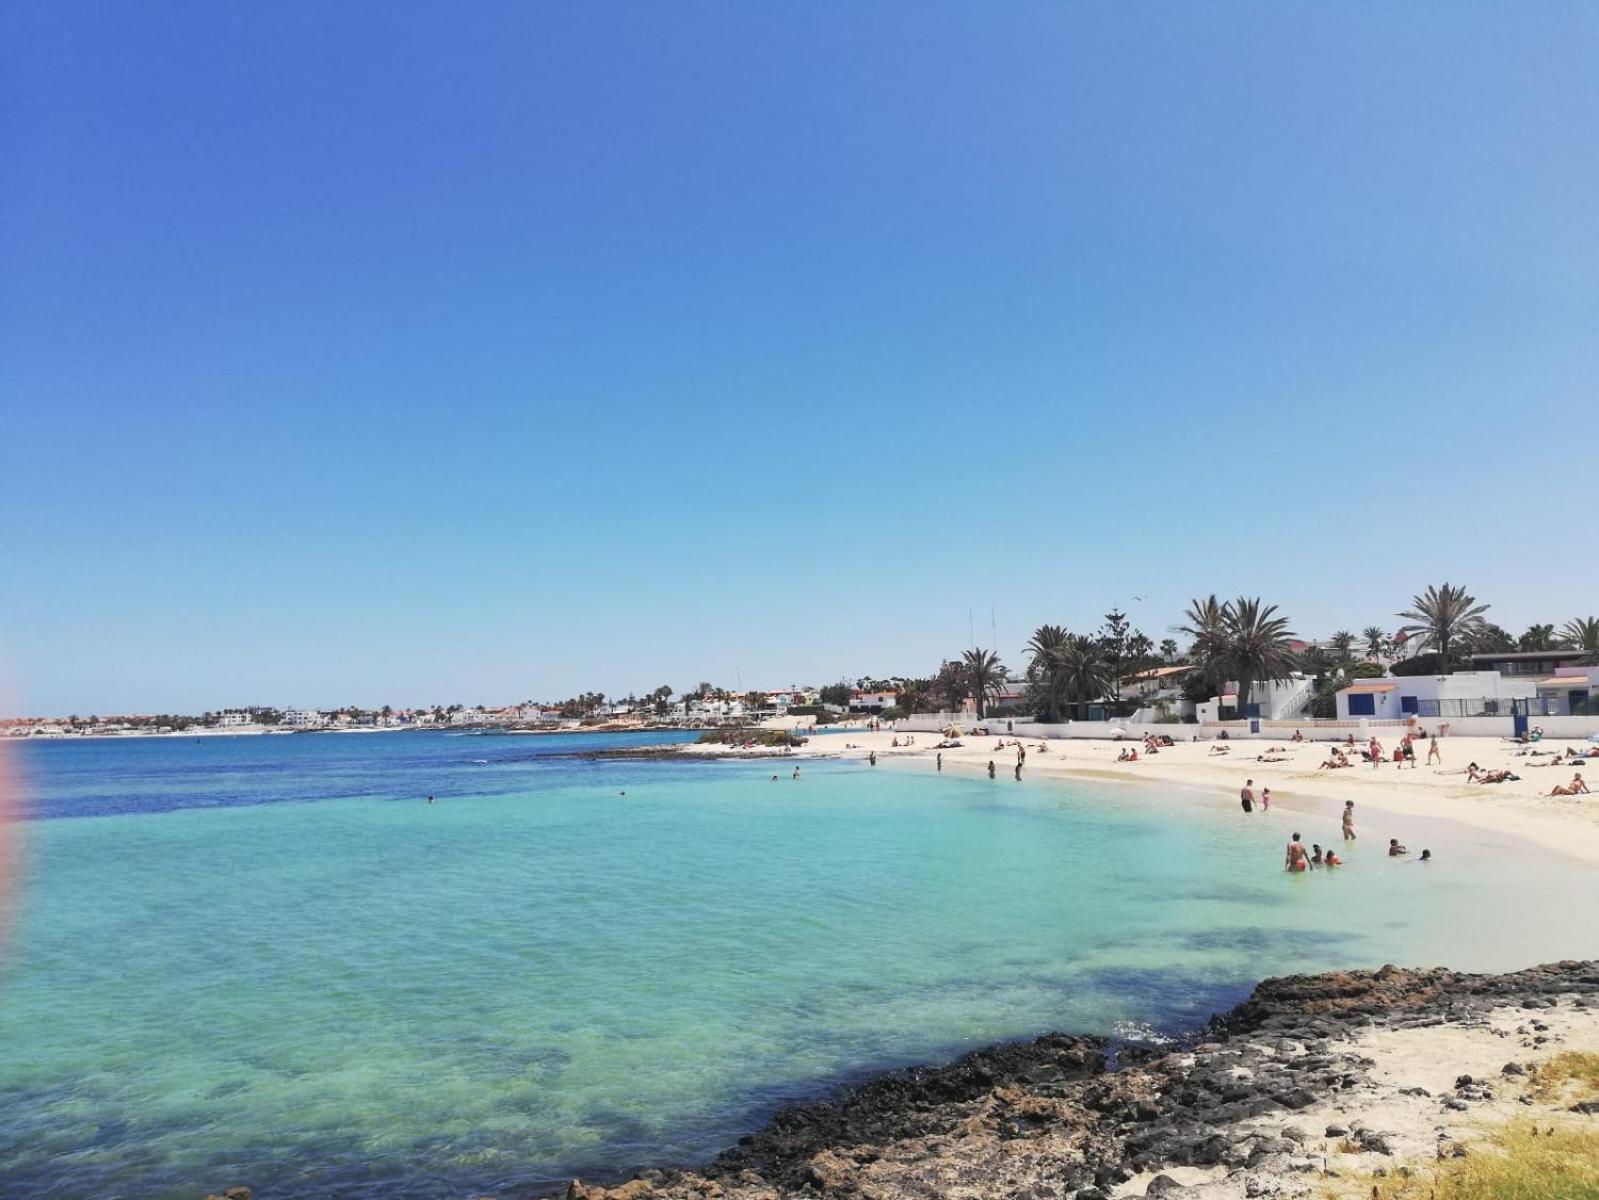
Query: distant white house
[
  {"x": 233, "y": 719},
  {"x": 1463, "y": 694},
  {"x": 303, "y": 718},
  {"x": 1270, "y": 700},
  {"x": 860, "y": 701}
]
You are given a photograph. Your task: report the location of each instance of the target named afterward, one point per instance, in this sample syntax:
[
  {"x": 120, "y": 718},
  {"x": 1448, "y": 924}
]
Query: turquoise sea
[{"x": 268, "y": 960}]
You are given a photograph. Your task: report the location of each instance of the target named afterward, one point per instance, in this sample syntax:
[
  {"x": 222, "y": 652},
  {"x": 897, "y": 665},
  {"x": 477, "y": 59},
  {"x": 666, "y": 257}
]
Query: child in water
[{"x": 1333, "y": 860}]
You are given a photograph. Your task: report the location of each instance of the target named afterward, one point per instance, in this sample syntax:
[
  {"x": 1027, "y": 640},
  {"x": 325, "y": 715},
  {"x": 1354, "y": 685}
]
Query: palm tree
[
  {"x": 1257, "y": 645},
  {"x": 1045, "y": 640},
  {"x": 1583, "y": 634},
  {"x": 983, "y": 675},
  {"x": 1168, "y": 649},
  {"x": 1443, "y": 615},
  {"x": 950, "y": 686},
  {"x": 1082, "y": 669},
  {"x": 1376, "y": 641},
  {"x": 1207, "y": 627},
  {"x": 911, "y": 695},
  {"x": 1343, "y": 643},
  {"x": 1538, "y": 637}
]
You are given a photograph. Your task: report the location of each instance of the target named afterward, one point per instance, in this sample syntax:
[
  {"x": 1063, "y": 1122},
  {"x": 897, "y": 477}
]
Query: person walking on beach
[
  {"x": 1349, "y": 820},
  {"x": 1295, "y": 858},
  {"x": 1434, "y": 754},
  {"x": 1375, "y": 749},
  {"x": 1246, "y": 795}
]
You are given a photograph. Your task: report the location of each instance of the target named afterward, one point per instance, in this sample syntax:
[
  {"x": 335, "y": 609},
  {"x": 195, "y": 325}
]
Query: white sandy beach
[{"x": 1523, "y": 809}]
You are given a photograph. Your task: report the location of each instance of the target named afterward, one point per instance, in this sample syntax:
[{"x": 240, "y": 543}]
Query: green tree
[
  {"x": 1538, "y": 637},
  {"x": 1343, "y": 644},
  {"x": 1376, "y": 641},
  {"x": 1207, "y": 650},
  {"x": 1257, "y": 645},
  {"x": 1443, "y": 616},
  {"x": 1114, "y": 636},
  {"x": 913, "y": 695},
  {"x": 835, "y": 694},
  {"x": 1046, "y": 640},
  {"x": 1582, "y": 633},
  {"x": 1168, "y": 650},
  {"x": 983, "y": 675}
]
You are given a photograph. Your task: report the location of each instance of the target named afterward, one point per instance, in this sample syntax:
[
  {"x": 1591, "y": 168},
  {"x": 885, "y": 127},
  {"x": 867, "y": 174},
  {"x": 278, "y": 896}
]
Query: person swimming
[
  {"x": 1316, "y": 857},
  {"x": 1426, "y": 856},
  {"x": 1395, "y": 849},
  {"x": 1333, "y": 860}
]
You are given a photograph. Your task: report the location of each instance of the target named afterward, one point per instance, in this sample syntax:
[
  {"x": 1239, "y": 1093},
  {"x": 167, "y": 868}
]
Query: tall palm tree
[
  {"x": 1045, "y": 640},
  {"x": 1583, "y": 634},
  {"x": 950, "y": 686},
  {"x": 1376, "y": 641},
  {"x": 1343, "y": 643},
  {"x": 1207, "y": 627},
  {"x": 1258, "y": 645},
  {"x": 1082, "y": 669},
  {"x": 1444, "y": 615},
  {"x": 984, "y": 676},
  {"x": 1168, "y": 649}
]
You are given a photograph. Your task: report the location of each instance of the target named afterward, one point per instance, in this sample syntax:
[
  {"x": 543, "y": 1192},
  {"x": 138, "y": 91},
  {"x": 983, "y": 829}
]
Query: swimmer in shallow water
[{"x": 1295, "y": 859}]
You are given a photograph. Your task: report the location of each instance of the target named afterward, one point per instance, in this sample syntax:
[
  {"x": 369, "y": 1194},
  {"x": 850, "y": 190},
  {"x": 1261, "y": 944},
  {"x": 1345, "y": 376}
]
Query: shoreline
[
  {"x": 1311, "y": 1086},
  {"x": 1520, "y": 809}
]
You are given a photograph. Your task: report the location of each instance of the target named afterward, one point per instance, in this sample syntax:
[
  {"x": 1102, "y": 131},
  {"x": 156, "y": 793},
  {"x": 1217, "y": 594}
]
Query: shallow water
[{"x": 268, "y": 960}]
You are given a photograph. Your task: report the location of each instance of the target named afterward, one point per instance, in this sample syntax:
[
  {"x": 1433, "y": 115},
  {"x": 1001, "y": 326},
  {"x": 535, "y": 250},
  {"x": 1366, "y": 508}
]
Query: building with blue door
[{"x": 1465, "y": 694}]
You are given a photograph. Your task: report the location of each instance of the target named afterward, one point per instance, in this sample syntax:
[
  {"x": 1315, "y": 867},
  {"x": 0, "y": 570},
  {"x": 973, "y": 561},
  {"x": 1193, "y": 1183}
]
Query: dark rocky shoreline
[{"x": 1053, "y": 1118}]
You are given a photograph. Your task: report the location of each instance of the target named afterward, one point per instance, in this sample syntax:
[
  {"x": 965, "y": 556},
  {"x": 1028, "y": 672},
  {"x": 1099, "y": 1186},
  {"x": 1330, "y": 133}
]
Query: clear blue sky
[{"x": 395, "y": 352}]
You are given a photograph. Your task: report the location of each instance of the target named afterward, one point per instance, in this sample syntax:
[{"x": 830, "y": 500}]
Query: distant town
[
  {"x": 705, "y": 706},
  {"x": 1241, "y": 664}
]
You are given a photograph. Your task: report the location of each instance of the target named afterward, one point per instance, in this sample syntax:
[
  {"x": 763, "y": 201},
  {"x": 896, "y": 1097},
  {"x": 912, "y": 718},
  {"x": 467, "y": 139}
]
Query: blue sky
[{"x": 426, "y": 353}]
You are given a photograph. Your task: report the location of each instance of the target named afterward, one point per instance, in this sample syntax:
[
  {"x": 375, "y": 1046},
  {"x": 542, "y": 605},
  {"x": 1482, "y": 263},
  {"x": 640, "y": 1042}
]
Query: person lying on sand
[
  {"x": 1220, "y": 750},
  {"x": 1575, "y": 788},
  {"x": 1498, "y": 777}
]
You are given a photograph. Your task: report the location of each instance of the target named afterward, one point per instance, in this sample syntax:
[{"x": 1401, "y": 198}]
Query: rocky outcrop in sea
[{"x": 1072, "y": 1118}]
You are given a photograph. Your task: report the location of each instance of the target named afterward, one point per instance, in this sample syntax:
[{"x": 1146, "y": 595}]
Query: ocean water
[{"x": 267, "y": 960}]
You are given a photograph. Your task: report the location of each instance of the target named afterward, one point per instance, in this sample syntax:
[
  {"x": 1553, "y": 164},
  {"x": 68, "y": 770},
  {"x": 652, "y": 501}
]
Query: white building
[
  {"x": 233, "y": 719},
  {"x": 860, "y": 701},
  {"x": 303, "y": 718},
  {"x": 1463, "y": 694}
]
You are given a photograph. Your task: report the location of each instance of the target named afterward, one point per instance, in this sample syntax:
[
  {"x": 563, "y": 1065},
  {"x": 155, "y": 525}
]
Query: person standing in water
[
  {"x": 872, "y": 758},
  {"x": 991, "y": 768},
  {"x": 1295, "y": 858},
  {"x": 1018, "y": 772},
  {"x": 430, "y": 797},
  {"x": 1246, "y": 795},
  {"x": 1349, "y": 820},
  {"x": 940, "y": 760},
  {"x": 1265, "y": 799}
]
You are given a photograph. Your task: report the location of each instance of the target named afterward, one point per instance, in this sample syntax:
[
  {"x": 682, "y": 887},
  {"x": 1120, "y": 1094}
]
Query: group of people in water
[{"x": 1296, "y": 857}]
